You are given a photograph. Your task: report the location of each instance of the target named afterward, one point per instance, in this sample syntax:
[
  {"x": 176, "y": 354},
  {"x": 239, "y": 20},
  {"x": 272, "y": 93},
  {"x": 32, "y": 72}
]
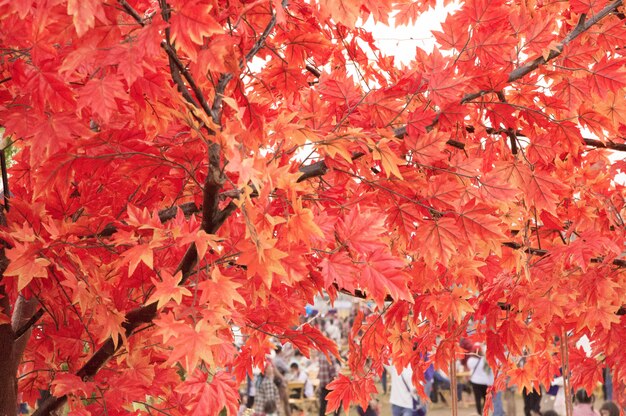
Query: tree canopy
[{"x": 187, "y": 166}]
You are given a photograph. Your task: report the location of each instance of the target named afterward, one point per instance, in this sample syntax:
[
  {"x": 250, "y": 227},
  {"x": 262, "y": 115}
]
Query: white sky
[{"x": 401, "y": 41}]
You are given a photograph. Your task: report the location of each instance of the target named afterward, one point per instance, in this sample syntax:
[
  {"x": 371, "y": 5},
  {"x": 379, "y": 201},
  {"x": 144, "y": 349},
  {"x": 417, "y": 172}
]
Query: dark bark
[{"x": 8, "y": 364}]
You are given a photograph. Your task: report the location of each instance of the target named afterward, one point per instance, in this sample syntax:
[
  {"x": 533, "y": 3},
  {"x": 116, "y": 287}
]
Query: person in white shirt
[
  {"x": 297, "y": 374},
  {"x": 481, "y": 376},
  {"x": 402, "y": 391},
  {"x": 333, "y": 331}
]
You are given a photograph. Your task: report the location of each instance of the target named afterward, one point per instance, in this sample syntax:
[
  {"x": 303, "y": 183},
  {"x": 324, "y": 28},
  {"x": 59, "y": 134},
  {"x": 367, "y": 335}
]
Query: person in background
[
  {"x": 609, "y": 409},
  {"x": 402, "y": 391},
  {"x": 532, "y": 402},
  {"x": 279, "y": 361},
  {"x": 251, "y": 387},
  {"x": 498, "y": 407},
  {"x": 583, "y": 404},
  {"x": 298, "y": 374},
  {"x": 281, "y": 384},
  {"x": 327, "y": 373},
  {"x": 550, "y": 413},
  {"x": 266, "y": 390},
  {"x": 481, "y": 376},
  {"x": 383, "y": 380},
  {"x": 301, "y": 360},
  {"x": 333, "y": 331}
]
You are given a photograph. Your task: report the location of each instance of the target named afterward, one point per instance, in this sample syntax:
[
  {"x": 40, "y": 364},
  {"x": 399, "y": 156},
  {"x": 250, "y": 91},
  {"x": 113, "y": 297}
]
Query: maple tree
[{"x": 187, "y": 166}]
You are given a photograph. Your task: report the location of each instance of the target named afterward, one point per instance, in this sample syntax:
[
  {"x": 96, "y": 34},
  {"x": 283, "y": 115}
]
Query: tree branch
[
  {"x": 212, "y": 216},
  {"x": 29, "y": 324},
  {"x": 5, "y": 178},
  {"x": 582, "y": 26},
  {"x": 182, "y": 69},
  {"x": 226, "y": 77},
  {"x": 313, "y": 70},
  {"x": 132, "y": 12},
  {"x": 260, "y": 42},
  {"x": 320, "y": 168},
  {"x": 542, "y": 252}
]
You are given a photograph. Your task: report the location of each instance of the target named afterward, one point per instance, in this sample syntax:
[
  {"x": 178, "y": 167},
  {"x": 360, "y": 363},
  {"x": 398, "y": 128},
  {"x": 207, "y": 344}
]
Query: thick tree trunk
[
  {"x": 11, "y": 351},
  {"x": 8, "y": 367},
  {"x": 9, "y": 356}
]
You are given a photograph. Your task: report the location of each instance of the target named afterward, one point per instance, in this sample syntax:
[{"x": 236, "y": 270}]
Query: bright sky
[{"x": 401, "y": 41}]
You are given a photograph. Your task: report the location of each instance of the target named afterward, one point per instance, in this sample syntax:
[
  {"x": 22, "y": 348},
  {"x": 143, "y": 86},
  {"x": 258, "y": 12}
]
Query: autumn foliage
[{"x": 187, "y": 166}]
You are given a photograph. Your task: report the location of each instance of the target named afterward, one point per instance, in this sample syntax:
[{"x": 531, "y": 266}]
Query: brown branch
[
  {"x": 320, "y": 168},
  {"x": 621, "y": 147},
  {"x": 132, "y": 12},
  {"x": 219, "y": 94},
  {"x": 313, "y": 70},
  {"x": 5, "y": 179},
  {"x": 182, "y": 69},
  {"x": 8, "y": 364},
  {"x": 542, "y": 252},
  {"x": 226, "y": 77},
  {"x": 29, "y": 324},
  {"x": 212, "y": 216},
  {"x": 260, "y": 42},
  {"x": 582, "y": 26}
]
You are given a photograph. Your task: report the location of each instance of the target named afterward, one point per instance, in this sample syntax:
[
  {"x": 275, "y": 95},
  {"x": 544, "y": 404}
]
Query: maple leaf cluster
[{"x": 186, "y": 167}]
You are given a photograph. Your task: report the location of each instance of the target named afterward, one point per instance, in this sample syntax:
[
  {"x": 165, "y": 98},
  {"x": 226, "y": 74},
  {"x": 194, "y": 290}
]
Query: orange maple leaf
[
  {"x": 263, "y": 258},
  {"x": 338, "y": 267},
  {"x": 139, "y": 253},
  {"x": 189, "y": 345},
  {"x": 84, "y": 13},
  {"x": 110, "y": 320},
  {"x": 25, "y": 264},
  {"x": 361, "y": 230},
  {"x": 167, "y": 289},
  {"x": 220, "y": 290},
  {"x": 381, "y": 274},
  {"x": 67, "y": 383}
]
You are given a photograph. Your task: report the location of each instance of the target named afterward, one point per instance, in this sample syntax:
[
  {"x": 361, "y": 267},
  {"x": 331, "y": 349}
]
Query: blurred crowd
[{"x": 293, "y": 384}]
